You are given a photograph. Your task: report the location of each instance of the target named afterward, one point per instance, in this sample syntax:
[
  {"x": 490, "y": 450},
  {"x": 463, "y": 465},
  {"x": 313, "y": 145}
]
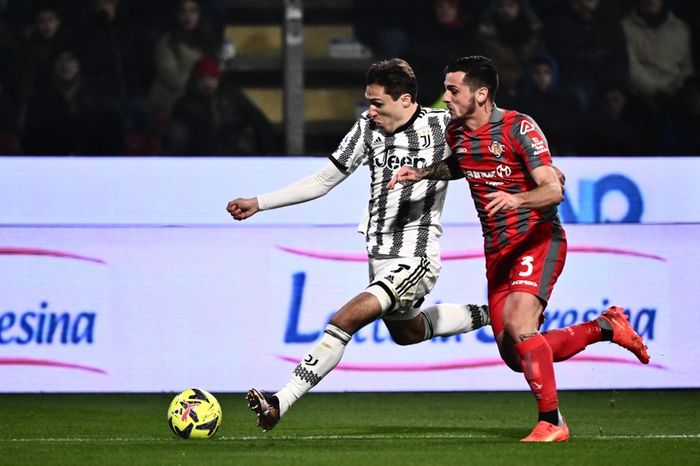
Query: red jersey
[{"x": 499, "y": 156}]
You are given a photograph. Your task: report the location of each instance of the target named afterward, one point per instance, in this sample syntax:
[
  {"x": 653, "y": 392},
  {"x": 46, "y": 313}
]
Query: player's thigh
[
  {"x": 408, "y": 280},
  {"x": 361, "y": 310},
  {"x": 521, "y": 277},
  {"x": 535, "y": 263},
  {"x": 521, "y": 314}
]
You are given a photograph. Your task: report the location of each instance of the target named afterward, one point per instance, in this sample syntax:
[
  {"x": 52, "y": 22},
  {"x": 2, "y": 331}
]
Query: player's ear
[
  {"x": 482, "y": 95},
  {"x": 405, "y": 100}
]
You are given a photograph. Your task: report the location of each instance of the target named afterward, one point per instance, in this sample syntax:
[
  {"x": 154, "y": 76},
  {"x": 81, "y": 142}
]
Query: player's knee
[
  {"x": 406, "y": 338},
  {"x": 509, "y": 354},
  {"x": 401, "y": 340},
  {"x": 515, "y": 366},
  {"x": 405, "y": 332},
  {"x": 384, "y": 294}
]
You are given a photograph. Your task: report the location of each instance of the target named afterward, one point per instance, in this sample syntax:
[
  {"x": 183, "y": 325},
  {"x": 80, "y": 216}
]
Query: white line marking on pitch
[{"x": 343, "y": 437}]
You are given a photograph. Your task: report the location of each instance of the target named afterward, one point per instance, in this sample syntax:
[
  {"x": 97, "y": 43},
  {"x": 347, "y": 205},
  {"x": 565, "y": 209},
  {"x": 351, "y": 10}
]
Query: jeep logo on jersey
[
  {"x": 496, "y": 148},
  {"x": 393, "y": 161}
]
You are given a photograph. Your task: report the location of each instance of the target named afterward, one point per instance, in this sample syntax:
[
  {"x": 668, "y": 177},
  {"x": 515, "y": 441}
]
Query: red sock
[
  {"x": 565, "y": 342},
  {"x": 538, "y": 368}
]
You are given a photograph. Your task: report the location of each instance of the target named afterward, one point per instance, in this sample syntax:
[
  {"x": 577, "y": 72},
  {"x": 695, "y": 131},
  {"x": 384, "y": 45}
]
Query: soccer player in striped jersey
[
  {"x": 401, "y": 229},
  {"x": 504, "y": 157}
]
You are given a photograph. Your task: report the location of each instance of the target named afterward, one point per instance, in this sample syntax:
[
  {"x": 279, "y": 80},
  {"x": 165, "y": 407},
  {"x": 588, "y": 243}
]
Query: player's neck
[
  {"x": 406, "y": 119},
  {"x": 479, "y": 118}
]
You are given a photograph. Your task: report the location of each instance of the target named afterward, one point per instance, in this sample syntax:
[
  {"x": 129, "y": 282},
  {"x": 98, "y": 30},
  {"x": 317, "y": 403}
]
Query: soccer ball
[{"x": 194, "y": 413}]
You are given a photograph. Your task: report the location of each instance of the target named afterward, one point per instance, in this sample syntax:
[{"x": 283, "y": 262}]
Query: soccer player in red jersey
[{"x": 504, "y": 157}]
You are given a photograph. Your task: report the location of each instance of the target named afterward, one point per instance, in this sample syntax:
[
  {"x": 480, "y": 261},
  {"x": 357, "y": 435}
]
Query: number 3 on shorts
[{"x": 527, "y": 263}]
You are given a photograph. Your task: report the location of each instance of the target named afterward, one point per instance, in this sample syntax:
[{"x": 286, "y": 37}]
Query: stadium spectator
[
  {"x": 68, "y": 114},
  {"x": 619, "y": 123},
  {"x": 524, "y": 242},
  {"x": 191, "y": 37},
  {"x": 115, "y": 47},
  {"x": 401, "y": 230},
  {"x": 22, "y": 14},
  {"x": 9, "y": 119},
  {"x": 587, "y": 41},
  {"x": 216, "y": 118},
  {"x": 445, "y": 31},
  {"x": 10, "y": 54},
  {"x": 510, "y": 33},
  {"x": 685, "y": 137},
  {"x": 386, "y": 31},
  {"x": 658, "y": 43},
  {"x": 44, "y": 37},
  {"x": 116, "y": 50},
  {"x": 553, "y": 106},
  {"x": 692, "y": 16}
]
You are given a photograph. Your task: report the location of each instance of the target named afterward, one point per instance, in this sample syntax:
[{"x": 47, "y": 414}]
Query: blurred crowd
[
  {"x": 121, "y": 77},
  {"x": 599, "y": 76},
  {"x": 142, "y": 77}
]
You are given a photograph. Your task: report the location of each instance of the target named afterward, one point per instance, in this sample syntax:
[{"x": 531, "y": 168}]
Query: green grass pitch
[{"x": 607, "y": 427}]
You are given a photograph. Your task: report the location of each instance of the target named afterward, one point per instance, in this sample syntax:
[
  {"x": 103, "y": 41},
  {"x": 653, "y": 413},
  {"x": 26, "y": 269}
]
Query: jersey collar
[
  {"x": 496, "y": 115},
  {"x": 406, "y": 125}
]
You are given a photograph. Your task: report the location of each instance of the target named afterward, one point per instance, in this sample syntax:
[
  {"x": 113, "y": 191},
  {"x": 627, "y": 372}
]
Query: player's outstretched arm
[
  {"x": 405, "y": 174},
  {"x": 311, "y": 187},
  {"x": 242, "y": 208},
  {"x": 447, "y": 169}
]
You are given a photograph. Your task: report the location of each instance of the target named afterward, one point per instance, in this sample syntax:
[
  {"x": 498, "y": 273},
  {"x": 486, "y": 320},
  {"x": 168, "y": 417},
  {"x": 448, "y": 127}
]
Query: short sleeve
[
  {"x": 530, "y": 142},
  {"x": 352, "y": 150}
]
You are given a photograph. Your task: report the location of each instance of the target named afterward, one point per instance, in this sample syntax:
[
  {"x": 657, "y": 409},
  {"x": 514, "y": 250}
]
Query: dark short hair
[
  {"x": 478, "y": 72},
  {"x": 397, "y": 77}
]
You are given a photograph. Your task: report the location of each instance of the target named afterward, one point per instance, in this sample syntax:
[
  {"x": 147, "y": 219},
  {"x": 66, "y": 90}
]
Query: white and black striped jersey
[{"x": 403, "y": 222}]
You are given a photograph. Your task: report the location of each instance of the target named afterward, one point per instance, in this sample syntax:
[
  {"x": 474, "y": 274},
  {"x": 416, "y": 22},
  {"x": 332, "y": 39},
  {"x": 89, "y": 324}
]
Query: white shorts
[{"x": 405, "y": 280}]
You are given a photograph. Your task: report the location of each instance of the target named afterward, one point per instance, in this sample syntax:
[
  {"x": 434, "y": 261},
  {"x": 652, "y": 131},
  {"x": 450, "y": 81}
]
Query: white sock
[
  {"x": 320, "y": 361},
  {"x": 446, "y": 319}
]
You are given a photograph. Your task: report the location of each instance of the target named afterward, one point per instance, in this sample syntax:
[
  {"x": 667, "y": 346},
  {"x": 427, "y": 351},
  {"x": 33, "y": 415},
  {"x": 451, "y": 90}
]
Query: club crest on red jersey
[{"x": 496, "y": 148}]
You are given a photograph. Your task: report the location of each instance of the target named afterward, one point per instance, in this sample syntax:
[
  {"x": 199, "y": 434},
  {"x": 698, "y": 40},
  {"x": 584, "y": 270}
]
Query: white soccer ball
[{"x": 194, "y": 413}]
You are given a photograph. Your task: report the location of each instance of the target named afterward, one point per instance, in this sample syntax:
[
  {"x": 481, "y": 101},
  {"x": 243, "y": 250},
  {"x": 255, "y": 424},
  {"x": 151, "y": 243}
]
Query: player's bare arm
[
  {"x": 560, "y": 175},
  {"x": 547, "y": 193},
  {"x": 242, "y": 208},
  {"x": 447, "y": 169}
]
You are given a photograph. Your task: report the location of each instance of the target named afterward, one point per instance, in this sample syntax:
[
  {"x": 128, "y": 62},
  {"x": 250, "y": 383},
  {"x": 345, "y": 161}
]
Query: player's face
[
  {"x": 460, "y": 100},
  {"x": 388, "y": 114}
]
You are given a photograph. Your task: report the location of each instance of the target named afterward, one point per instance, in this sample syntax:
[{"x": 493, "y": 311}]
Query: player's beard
[{"x": 468, "y": 111}]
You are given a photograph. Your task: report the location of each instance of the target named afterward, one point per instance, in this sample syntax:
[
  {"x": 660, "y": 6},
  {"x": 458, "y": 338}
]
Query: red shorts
[{"x": 531, "y": 265}]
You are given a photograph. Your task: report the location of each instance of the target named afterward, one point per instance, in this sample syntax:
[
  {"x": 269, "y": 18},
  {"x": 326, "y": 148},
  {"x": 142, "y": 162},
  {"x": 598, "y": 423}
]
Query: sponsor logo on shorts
[{"x": 523, "y": 282}]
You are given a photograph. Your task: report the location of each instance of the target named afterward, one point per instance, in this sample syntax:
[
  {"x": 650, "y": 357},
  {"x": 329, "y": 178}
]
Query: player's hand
[
  {"x": 242, "y": 208},
  {"x": 501, "y": 200},
  {"x": 560, "y": 175},
  {"x": 405, "y": 174}
]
